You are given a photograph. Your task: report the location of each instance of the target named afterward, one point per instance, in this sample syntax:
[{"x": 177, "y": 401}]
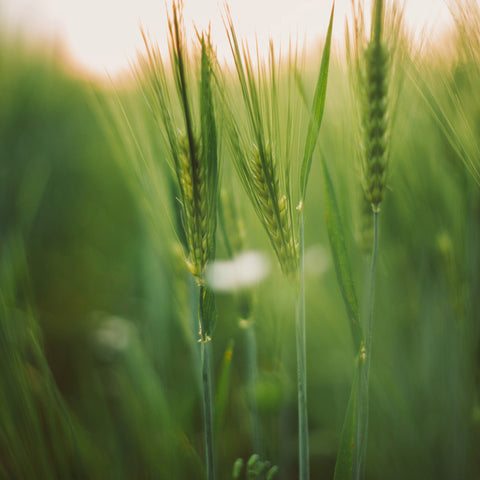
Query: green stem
[
  {"x": 377, "y": 21},
  {"x": 251, "y": 341},
  {"x": 371, "y": 295},
  {"x": 193, "y": 315},
  {"x": 361, "y": 429},
  {"x": 303, "y": 448},
  {"x": 208, "y": 413}
]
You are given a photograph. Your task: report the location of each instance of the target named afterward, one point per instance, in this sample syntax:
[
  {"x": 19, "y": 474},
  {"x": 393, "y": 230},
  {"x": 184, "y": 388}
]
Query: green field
[{"x": 99, "y": 353}]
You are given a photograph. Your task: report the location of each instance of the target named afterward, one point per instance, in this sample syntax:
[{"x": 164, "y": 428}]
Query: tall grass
[
  {"x": 455, "y": 104},
  {"x": 99, "y": 321},
  {"x": 262, "y": 156},
  {"x": 371, "y": 58},
  {"x": 38, "y": 436},
  {"x": 194, "y": 160}
]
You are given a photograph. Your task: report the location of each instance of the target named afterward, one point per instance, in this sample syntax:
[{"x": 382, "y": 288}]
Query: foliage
[{"x": 97, "y": 342}]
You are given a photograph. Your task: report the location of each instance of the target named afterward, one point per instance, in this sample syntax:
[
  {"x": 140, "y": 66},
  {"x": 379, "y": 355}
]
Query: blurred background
[
  {"x": 98, "y": 359},
  {"x": 102, "y": 36}
]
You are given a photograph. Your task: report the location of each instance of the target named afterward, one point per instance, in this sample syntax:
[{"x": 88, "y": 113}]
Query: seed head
[
  {"x": 273, "y": 208},
  {"x": 195, "y": 204},
  {"x": 373, "y": 60},
  {"x": 375, "y": 122}
]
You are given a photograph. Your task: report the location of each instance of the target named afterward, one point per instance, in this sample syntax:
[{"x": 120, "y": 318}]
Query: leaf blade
[
  {"x": 318, "y": 107},
  {"x": 209, "y": 138},
  {"x": 338, "y": 246},
  {"x": 207, "y": 313},
  {"x": 344, "y": 463}
]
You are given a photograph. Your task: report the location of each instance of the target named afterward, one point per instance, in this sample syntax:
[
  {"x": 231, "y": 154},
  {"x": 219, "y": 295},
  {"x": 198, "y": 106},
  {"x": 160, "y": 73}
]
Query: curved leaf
[
  {"x": 318, "y": 107},
  {"x": 344, "y": 464},
  {"x": 340, "y": 257}
]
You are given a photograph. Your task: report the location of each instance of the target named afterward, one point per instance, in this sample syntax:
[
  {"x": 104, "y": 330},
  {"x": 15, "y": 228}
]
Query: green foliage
[
  {"x": 256, "y": 468},
  {"x": 452, "y": 96},
  {"x": 191, "y": 139},
  {"x": 347, "y": 447},
  {"x": 317, "y": 112},
  {"x": 37, "y": 436},
  {"x": 97, "y": 340},
  {"x": 340, "y": 258},
  {"x": 256, "y": 151}
]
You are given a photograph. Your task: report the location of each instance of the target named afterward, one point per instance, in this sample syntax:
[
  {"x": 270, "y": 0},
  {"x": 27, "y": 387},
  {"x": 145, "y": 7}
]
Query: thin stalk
[
  {"x": 361, "y": 428},
  {"x": 195, "y": 348},
  {"x": 371, "y": 295},
  {"x": 251, "y": 344},
  {"x": 303, "y": 447},
  {"x": 208, "y": 406}
]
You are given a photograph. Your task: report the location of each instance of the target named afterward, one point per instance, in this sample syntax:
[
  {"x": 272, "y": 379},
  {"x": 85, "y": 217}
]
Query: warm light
[{"x": 104, "y": 35}]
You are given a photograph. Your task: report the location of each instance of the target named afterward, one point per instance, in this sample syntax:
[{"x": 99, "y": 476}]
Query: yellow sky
[{"x": 102, "y": 35}]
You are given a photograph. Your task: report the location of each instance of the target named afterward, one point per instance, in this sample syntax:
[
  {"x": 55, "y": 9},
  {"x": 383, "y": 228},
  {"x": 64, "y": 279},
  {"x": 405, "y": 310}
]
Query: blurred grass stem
[
  {"x": 251, "y": 343},
  {"x": 303, "y": 445},
  {"x": 361, "y": 427},
  {"x": 208, "y": 410}
]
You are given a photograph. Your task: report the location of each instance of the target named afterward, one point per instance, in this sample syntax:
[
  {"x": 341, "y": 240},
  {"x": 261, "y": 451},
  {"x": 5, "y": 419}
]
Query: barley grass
[
  {"x": 370, "y": 62},
  {"x": 263, "y": 155},
  {"x": 364, "y": 225},
  {"x": 375, "y": 158},
  {"x": 133, "y": 410},
  {"x": 258, "y": 149},
  {"x": 193, "y": 153},
  {"x": 453, "y": 96}
]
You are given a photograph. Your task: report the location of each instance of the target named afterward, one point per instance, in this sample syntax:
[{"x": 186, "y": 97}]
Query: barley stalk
[
  {"x": 303, "y": 447},
  {"x": 208, "y": 400},
  {"x": 372, "y": 66},
  {"x": 193, "y": 155},
  {"x": 268, "y": 184},
  {"x": 361, "y": 427},
  {"x": 365, "y": 225}
]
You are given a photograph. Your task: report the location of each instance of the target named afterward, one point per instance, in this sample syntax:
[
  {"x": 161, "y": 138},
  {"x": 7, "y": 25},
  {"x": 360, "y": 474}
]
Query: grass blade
[
  {"x": 336, "y": 237},
  {"x": 318, "y": 107},
  {"x": 209, "y": 135},
  {"x": 208, "y": 313},
  {"x": 343, "y": 466},
  {"x": 208, "y": 409},
  {"x": 361, "y": 427},
  {"x": 300, "y": 331}
]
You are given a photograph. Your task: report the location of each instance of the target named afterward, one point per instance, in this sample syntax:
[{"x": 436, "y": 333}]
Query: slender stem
[
  {"x": 371, "y": 296},
  {"x": 377, "y": 21},
  {"x": 361, "y": 430},
  {"x": 251, "y": 341},
  {"x": 208, "y": 413},
  {"x": 195, "y": 347},
  {"x": 303, "y": 448}
]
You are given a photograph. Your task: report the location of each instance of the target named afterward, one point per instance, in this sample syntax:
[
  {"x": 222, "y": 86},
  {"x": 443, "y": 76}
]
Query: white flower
[{"x": 245, "y": 270}]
